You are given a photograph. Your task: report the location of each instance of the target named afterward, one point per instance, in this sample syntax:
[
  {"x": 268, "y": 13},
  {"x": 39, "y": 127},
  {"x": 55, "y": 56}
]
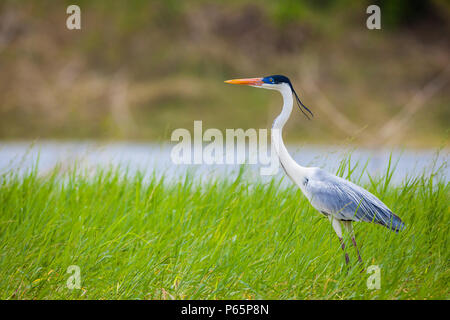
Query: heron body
[{"x": 340, "y": 200}]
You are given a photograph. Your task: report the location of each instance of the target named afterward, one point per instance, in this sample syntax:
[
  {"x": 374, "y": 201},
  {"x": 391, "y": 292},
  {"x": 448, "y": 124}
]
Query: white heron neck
[
  {"x": 293, "y": 169},
  {"x": 287, "y": 108}
]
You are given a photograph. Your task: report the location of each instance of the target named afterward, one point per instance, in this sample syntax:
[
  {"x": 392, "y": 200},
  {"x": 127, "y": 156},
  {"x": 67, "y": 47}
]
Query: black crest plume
[{"x": 301, "y": 106}]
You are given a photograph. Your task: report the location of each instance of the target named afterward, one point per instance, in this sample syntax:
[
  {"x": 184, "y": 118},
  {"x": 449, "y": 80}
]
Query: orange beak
[{"x": 248, "y": 81}]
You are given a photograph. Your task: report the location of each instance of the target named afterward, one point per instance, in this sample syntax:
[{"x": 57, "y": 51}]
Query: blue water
[{"x": 156, "y": 158}]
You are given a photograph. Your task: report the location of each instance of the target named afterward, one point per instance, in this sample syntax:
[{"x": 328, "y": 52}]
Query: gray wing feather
[{"x": 347, "y": 201}]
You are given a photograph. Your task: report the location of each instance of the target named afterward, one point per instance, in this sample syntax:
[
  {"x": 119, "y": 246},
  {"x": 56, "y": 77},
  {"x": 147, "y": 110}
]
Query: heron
[{"x": 340, "y": 200}]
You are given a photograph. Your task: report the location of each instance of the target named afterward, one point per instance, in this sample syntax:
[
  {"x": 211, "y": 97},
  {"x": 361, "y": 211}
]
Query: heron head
[{"x": 274, "y": 82}]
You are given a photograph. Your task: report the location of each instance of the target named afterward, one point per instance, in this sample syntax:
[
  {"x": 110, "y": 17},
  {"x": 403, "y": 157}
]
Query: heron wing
[{"x": 347, "y": 201}]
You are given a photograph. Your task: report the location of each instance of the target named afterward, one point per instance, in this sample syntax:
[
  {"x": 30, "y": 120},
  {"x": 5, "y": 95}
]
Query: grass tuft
[{"x": 224, "y": 238}]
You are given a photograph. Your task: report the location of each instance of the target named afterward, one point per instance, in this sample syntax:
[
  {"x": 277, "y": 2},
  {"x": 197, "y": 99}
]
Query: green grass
[{"x": 227, "y": 238}]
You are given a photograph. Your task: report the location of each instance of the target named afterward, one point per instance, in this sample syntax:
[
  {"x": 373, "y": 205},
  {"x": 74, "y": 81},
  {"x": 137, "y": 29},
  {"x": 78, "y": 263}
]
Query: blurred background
[{"x": 139, "y": 69}]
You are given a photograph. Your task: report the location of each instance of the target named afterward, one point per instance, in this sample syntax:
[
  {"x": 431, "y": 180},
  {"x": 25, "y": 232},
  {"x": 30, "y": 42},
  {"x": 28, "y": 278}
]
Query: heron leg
[
  {"x": 337, "y": 228},
  {"x": 347, "y": 259},
  {"x": 349, "y": 227}
]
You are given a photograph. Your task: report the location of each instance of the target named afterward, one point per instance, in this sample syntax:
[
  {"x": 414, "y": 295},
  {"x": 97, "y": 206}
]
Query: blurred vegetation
[{"x": 139, "y": 69}]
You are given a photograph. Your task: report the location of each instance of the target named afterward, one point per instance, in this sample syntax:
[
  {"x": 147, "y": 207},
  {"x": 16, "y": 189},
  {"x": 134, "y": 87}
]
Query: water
[{"x": 156, "y": 158}]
